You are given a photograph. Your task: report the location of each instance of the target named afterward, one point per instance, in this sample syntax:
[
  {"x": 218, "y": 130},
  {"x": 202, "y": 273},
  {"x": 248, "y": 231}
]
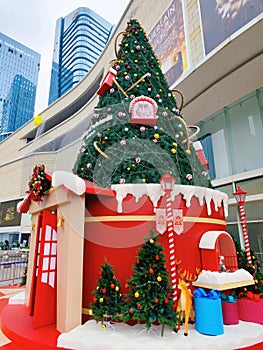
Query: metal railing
[{"x": 12, "y": 266}]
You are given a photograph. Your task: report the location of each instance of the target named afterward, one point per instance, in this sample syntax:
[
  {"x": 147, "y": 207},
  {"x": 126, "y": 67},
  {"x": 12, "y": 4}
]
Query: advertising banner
[
  {"x": 168, "y": 41},
  {"x": 221, "y": 19}
]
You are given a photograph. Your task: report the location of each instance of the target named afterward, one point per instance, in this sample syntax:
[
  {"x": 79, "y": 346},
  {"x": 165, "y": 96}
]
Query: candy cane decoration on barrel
[{"x": 167, "y": 183}]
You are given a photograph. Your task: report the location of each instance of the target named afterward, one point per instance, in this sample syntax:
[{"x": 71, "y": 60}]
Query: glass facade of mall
[
  {"x": 232, "y": 139},
  {"x": 18, "y": 83},
  {"x": 80, "y": 38}
]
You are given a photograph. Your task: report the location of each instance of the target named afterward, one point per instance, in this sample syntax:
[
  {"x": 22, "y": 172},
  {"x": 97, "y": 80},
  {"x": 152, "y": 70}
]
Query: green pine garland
[{"x": 38, "y": 183}]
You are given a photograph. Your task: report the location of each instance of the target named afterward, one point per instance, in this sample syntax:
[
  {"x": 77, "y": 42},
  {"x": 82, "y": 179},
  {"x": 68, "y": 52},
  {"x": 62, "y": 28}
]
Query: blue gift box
[{"x": 208, "y": 312}]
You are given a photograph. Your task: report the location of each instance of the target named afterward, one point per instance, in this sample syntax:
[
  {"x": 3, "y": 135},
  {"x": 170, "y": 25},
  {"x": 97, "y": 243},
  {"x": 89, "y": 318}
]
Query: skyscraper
[
  {"x": 18, "y": 82},
  {"x": 80, "y": 38}
]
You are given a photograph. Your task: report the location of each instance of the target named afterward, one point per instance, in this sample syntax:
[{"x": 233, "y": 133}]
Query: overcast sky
[{"x": 32, "y": 23}]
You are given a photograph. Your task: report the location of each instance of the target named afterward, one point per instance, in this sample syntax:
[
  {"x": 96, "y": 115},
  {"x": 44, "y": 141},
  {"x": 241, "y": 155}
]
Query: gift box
[
  {"x": 208, "y": 312},
  {"x": 250, "y": 310},
  {"x": 229, "y": 309},
  {"x": 230, "y": 313},
  {"x": 107, "y": 81}
]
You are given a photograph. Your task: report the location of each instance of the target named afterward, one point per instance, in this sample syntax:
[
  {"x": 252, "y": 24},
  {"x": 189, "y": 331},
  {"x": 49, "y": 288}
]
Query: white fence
[{"x": 12, "y": 266}]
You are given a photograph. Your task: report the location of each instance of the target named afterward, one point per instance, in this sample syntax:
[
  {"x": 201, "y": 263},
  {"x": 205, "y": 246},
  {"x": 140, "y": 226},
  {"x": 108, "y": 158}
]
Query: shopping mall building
[{"x": 210, "y": 51}]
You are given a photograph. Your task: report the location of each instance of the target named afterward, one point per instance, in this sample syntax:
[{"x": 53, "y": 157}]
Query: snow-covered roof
[
  {"x": 208, "y": 240},
  {"x": 224, "y": 280},
  {"x": 70, "y": 182},
  {"x": 154, "y": 192}
]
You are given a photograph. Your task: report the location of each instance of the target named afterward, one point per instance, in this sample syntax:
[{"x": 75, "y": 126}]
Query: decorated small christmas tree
[
  {"x": 107, "y": 301},
  {"x": 149, "y": 296},
  {"x": 255, "y": 269},
  {"x": 137, "y": 131}
]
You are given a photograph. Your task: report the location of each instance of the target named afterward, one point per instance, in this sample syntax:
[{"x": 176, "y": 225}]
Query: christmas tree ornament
[
  {"x": 38, "y": 120},
  {"x": 136, "y": 294},
  {"x": 107, "y": 81}
]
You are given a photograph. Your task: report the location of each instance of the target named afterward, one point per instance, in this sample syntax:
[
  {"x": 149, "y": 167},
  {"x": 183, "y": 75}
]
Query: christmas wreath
[{"x": 38, "y": 184}]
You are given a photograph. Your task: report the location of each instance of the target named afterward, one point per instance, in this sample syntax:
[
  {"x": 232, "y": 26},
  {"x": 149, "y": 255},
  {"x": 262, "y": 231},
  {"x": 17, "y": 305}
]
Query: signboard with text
[
  {"x": 168, "y": 41},
  {"x": 8, "y": 213}
]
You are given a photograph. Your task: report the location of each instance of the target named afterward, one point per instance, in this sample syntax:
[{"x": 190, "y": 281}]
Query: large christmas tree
[
  {"x": 149, "y": 296},
  {"x": 117, "y": 149}
]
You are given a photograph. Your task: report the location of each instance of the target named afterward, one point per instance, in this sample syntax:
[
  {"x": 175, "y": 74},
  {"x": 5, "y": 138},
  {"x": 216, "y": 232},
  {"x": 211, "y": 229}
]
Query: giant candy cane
[
  {"x": 245, "y": 232},
  {"x": 171, "y": 242}
]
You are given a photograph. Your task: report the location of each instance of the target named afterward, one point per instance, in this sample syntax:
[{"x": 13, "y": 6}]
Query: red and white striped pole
[
  {"x": 167, "y": 183},
  {"x": 170, "y": 229},
  {"x": 245, "y": 232},
  {"x": 240, "y": 197}
]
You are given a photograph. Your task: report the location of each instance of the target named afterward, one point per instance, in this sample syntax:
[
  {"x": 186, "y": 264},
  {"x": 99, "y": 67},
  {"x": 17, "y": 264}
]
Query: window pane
[
  {"x": 44, "y": 277},
  {"x": 255, "y": 235},
  {"x": 47, "y": 249},
  {"x": 54, "y": 236},
  {"x": 52, "y": 279},
  {"x": 228, "y": 189},
  {"x": 52, "y": 263},
  {"x": 48, "y": 233},
  {"x": 45, "y": 264},
  {"x": 232, "y": 214},
  {"x": 221, "y": 162},
  {"x": 246, "y": 134},
  {"x": 216, "y": 150},
  {"x": 54, "y": 249},
  {"x": 252, "y": 186},
  {"x": 254, "y": 211}
]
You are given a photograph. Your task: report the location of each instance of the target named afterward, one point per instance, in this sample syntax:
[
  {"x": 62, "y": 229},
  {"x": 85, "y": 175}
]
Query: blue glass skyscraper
[
  {"x": 80, "y": 38},
  {"x": 19, "y": 70}
]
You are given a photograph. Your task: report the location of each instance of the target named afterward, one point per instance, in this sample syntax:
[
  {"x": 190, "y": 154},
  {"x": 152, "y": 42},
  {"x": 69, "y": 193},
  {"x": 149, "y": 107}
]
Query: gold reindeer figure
[{"x": 185, "y": 302}]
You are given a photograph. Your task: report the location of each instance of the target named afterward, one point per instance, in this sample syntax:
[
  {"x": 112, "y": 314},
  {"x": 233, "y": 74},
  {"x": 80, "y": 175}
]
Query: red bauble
[{"x": 151, "y": 271}]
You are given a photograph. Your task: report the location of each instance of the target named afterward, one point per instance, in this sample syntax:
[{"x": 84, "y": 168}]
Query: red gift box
[
  {"x": 230, "y": 313},
  {"x": 250, "y": 310},
  {"x": 107, "y": 81}
]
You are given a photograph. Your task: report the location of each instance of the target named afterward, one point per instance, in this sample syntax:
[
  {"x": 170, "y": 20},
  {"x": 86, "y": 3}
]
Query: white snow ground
[{"x": 90, "y": 336}]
